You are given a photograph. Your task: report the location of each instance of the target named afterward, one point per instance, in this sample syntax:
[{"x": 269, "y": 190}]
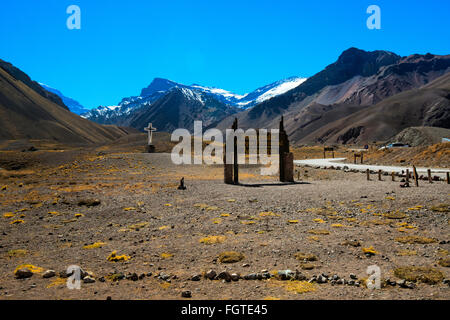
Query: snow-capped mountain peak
[{"x": 159, "y": 87}]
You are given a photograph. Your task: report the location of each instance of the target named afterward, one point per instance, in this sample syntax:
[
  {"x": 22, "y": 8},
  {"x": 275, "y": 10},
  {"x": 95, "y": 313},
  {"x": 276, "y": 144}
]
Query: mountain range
[
  {"x": 339, "y": 104},
  {"x": 364, "y": 96},
  {"x": 210, "y": 98}
]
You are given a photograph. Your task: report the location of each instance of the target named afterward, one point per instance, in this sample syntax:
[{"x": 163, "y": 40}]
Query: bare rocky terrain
[{"x": 120, "y": 217}]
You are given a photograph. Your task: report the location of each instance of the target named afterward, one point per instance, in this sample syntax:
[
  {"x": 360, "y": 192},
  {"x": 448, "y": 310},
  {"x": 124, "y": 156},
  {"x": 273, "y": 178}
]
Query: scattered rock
[
  {"x": 251, "y": 276},
  {"x": 49, "y": 274},
  {"x": 211, "y": 275},
  {"x": 196, "y": 277},
  {"x": 224, "y": 275},
  {"x": 321, "y": 279},
  {"x": 181, "y": 186},
  {"x": 235, "y": 277},
  {"x": 132, "y": 277},
  {"x": 88, "y": 279},
  {"x": 186, "y": 294},
  {"x": 23, "y": 273},
  {"x": 163, "y": 276},
  {"x": 286, "y": 274},
  {"x": 404, "y": 185}
]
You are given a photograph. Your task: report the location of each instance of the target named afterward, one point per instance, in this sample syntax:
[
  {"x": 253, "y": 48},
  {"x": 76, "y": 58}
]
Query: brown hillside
[{"x": 25, "y": 114}]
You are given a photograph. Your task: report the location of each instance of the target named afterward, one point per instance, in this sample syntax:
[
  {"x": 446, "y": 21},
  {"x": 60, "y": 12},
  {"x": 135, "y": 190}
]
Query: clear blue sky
[{"x": 236, "y": 45}]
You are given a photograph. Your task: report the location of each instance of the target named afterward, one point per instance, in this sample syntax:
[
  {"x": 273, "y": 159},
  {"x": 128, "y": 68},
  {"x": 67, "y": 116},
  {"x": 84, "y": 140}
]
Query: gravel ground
[{"x": 158, "y": 228}]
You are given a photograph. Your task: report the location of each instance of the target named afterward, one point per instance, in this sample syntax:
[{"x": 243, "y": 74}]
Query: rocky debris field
[{"x": 122, "y": 223}]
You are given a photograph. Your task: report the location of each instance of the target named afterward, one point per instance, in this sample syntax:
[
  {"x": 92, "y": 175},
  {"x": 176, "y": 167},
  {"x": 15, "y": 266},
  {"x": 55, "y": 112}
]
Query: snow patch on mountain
[
  {"x": 72, "y": 104},
  {"x": 160, "y": 87}
]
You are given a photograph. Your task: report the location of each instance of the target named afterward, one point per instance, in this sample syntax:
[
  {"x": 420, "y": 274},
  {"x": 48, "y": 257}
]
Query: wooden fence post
[
  {"x": 368, "y": 174},
  {"x": 393, "y": 176},
  {"x": 379, "y": 175},
  {"x": 407, "y": 175},
  {"x": 416, "y": 178},
  {"x": 430, "y": 180},
  {"x": 448, "y": 178}
]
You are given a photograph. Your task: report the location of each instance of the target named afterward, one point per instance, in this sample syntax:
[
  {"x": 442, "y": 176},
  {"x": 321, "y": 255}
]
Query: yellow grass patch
[
  {"x": 19, "y": 221},
  {"x": 230, "y": 257},
  {"x": 113, "y": 257},
  {"x": 395, "y": 215},
  {"x": 95, "y": 245},
  {"x": 423, "y": 274},
  {"x": 8, "y": 215},
  {"x": 406, "y": 253},
  {"x": 318, "y": 220},
  {"x": 292, "y": 221},
  {"x": 166, "y": 255},
  {"x": 271, "y": 298},
  {"x": 17, "y": 253},
  {"x": 337, "y": 225},
  {"x": 443, "y": 207},
  {"x": 370, "y": 250},
  {"x": 319, "y": 231},
  {"x": 248, "y": 222},
  {"x": 224, "y": 214},
  {"x": 163, "y": 228},
  {"x": 212, "y": 239},
  {"x": 164, "y": 285},
  {"x": 298, "y": 287},
  {"x": 57, "y": 282},
  {"x": 79, "y": 215},
  {"x": 445, "y": 262},
  {"x": 268, "y": 214},
  {"x": 30, "y": 267},
  {"x": 129, "y": 209},
  {"x": 138, "y": 225},
  {"x": 305, "y": 256},
  {"x": 201, "y": 205}
]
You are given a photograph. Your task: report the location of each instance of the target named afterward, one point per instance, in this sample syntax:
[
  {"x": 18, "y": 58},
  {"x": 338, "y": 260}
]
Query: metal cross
[{"x": 150, "y": 131}]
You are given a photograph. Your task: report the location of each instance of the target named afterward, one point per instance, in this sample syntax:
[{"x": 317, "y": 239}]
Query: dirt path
[{"x": 337, "y": 163}]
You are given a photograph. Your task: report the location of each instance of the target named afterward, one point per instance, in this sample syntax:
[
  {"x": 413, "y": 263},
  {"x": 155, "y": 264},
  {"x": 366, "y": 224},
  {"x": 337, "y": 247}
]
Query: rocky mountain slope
[
  {"x": 426, "y": 106},
  {"x": 357, "y": 80},
  {"x": 20, "y": 75},
  {"x": 158, "y": 88},
  {"x": 72, "y": 104},
  {"x": 179, "y": 108},
  {"x": 27, "y": 113}
]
